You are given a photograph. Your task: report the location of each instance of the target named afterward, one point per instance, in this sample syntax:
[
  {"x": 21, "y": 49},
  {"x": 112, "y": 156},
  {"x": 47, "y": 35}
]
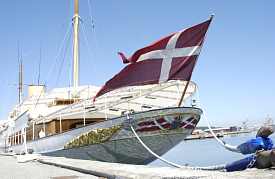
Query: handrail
[{"x": 79, "y": 105}]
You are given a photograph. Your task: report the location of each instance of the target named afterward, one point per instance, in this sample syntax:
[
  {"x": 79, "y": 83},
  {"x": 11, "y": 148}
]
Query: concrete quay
[
  {"x": 11, "y": 169},
  {"x": 116, "y": 170},
  {"x": 64, "y": 168}
]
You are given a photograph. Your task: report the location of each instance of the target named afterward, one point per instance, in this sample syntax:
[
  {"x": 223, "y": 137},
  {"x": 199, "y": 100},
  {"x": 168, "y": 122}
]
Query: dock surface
[
  {"x": 64, "y": 168},
  {"x": 116, "y": 170},
  {"x": 11, "y": 169}
]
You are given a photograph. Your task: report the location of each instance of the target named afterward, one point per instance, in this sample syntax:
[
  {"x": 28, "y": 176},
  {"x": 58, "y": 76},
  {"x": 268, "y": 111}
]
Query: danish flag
[{"x": 171, "y": 58}]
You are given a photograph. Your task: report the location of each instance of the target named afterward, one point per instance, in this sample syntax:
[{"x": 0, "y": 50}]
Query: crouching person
[
  {"x": 261, "y": 148},
  {"x": 261, "y": 160}
]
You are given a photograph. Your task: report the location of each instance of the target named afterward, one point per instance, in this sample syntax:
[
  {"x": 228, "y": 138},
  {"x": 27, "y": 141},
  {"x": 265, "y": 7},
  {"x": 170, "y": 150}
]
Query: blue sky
[{"x": 235, "y": 71}]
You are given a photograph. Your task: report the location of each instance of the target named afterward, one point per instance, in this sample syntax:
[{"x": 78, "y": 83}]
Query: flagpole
[
  {"x": 187, "y": 84},
  {"x": 183, "y": 93}
]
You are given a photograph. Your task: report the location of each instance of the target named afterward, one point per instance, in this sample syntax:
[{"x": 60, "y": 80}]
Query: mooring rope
[
  {"x": 153, "y": 153},
  {"x": 215, "y": 167},
  {"x": 223, "y": 143}
]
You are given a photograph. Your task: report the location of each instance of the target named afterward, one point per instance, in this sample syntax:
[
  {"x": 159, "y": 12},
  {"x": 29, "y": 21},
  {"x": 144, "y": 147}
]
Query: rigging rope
[
  {"x": 63, "y": 59},
  {"x": 58, "y": 53},
  {"x": 53, "y": 65},
  {"x": 94, "y": 37},
  {"x": 83, "y": 29},
  {"x": 90, "y": 14}
]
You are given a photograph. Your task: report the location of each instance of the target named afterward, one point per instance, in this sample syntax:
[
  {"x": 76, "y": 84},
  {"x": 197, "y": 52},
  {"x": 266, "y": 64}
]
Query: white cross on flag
[{"x": 171, "y": 58}]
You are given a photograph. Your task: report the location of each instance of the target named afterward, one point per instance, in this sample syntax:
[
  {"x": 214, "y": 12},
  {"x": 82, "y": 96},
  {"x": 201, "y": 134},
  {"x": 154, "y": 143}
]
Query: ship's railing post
[
  {"x": 16, "y": 138},
  {"x": 21, "y": 135},
  {"x": 140, "y": 94},
  {"x": 88, "y": 92},
  {"x": 84, "y": 113},
  {"x": 33, "y": 131},
  {"x": 105, "y": 106},
  {"x": 25, "y": 140},
  {"x": 5, "y": 149},
  {"x": 60, "y": 123},
  {"x": 44, "y": 127},
  {"x": 178, "y": 90}
]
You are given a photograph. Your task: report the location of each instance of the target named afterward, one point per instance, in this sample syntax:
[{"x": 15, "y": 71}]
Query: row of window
[{"x": 16, "y": 138}]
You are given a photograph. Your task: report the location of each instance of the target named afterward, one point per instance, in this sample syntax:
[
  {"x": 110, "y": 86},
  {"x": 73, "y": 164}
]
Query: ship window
[
  {"x": 145, "y": 106},
  {"x": 58, "y": 102},
  {"x": 126, "y": 97},
  {"x": 90, "y": 107},
  {"x": 150, "y": 97}
]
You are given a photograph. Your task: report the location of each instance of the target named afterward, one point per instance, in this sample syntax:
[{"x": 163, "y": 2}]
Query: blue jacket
[{"x": 253, "y": 145}]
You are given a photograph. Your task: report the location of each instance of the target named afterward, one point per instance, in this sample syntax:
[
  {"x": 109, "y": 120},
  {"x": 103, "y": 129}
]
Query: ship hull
[
  {"x": 127, "y": 150},
  {"x": 113, "y": 140}
]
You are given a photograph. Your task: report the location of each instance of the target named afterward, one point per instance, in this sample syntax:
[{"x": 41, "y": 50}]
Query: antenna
[
  {"x": 20, "y": 73},
  {"x": 39, "y": 64}
]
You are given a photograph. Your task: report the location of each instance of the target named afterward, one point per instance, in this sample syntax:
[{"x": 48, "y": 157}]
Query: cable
[
  {"x": 63, "y": 59},
  {"x": 59, "y": 52},
  {"x": 83, "y": 30},
  {"x": 90, "y": 14},
  {"x": 53, "y": 65}
]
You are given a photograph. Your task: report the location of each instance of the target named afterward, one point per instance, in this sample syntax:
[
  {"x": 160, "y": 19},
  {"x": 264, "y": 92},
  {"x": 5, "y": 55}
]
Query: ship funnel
[{"x": 36, "y": 90}]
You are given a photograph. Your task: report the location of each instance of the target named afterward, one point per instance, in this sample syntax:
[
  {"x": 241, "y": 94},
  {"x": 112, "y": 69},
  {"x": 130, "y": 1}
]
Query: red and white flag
[{"x": 171, "y": 58}]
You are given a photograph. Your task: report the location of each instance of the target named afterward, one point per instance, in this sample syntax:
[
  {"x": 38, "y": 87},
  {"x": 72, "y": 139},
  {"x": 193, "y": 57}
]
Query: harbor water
[{"x": 205, "y": 152}]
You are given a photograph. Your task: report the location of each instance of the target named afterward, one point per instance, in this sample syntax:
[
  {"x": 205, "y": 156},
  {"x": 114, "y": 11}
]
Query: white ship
[{"x": 67, "y": 122}]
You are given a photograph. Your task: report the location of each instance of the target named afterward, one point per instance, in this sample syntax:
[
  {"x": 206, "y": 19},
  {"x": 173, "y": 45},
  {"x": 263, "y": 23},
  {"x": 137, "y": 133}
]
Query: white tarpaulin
[{"x": 21, "y": 122}]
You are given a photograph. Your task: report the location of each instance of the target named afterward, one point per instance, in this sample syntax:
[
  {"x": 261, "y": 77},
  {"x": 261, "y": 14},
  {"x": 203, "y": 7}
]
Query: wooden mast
[
  {"x": 76, "y": 45},
  {"x": 20, "y": 88},
  {"x": 20, "y": 76}
]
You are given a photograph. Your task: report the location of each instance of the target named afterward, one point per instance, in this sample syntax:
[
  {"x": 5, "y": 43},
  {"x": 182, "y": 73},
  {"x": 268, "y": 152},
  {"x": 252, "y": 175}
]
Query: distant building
[{"x": 223, "y": 129}]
